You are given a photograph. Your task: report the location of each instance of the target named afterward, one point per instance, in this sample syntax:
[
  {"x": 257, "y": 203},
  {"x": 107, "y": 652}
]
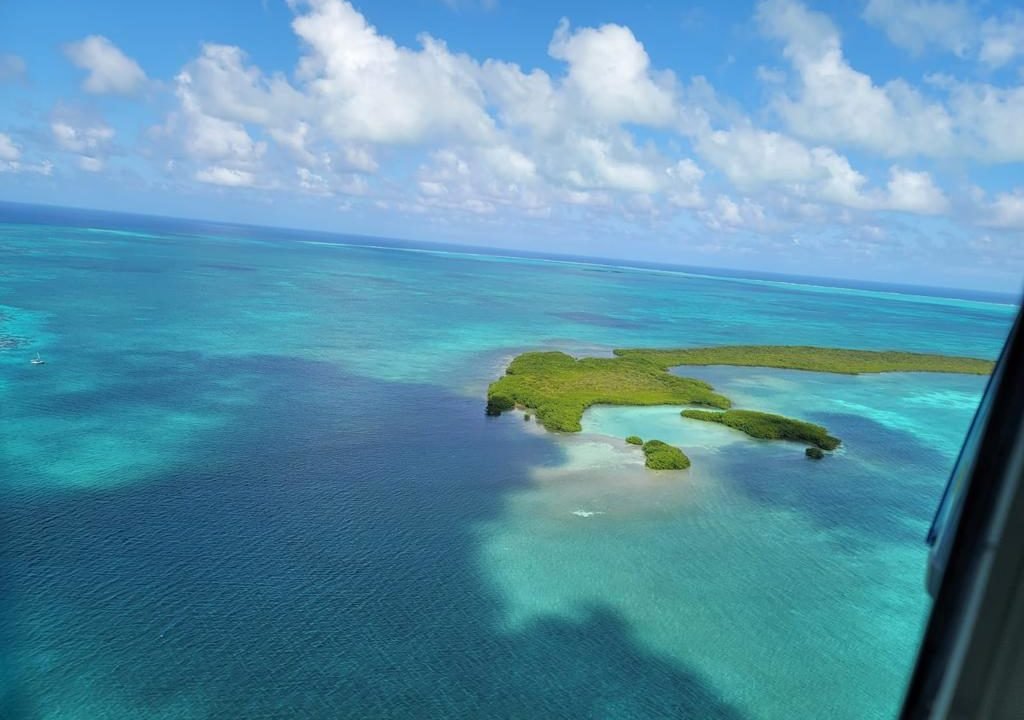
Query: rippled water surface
[{"x": 254, "y": 480}]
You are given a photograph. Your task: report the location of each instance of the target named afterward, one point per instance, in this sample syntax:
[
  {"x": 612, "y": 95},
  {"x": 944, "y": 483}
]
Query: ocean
[{"x": 254, "y": 479}]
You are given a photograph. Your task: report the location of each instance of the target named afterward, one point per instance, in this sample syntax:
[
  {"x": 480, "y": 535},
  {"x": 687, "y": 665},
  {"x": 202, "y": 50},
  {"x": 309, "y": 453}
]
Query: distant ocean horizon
[
  {"x": 46, "y": 214},
  {"x": 254, "y": 479}
]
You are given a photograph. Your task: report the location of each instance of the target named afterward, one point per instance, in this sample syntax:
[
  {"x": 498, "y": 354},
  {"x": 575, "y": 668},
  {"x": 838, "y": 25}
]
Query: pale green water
[{"x": 768, "y": 557}]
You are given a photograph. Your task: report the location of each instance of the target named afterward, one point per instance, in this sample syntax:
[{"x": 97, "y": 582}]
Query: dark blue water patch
[
  {"x": 862, "y": 492},
  {"x": 117, "y": 265},
  {"x": 230, "y": 267},
  {"x": 141, "y": 379},
  {"x": 317, "y": 557},
  {"x": 600, "y": 320},
  {"x": 7, "y": 341},
  {"x": 90, "y": 264},
  {"x": 606, "y": 269}
]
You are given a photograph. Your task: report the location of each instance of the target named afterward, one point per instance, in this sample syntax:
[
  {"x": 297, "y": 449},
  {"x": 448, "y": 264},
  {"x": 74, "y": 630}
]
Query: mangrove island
[
  {"x": 557, "y": 388},
  {"x": 765, "y": 426},
  {"x": 662, "y": 456}
]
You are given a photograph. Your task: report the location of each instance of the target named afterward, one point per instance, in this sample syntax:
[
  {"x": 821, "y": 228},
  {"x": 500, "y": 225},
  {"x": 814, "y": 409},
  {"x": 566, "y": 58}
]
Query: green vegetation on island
[
  {"x": 497, "y": 404},
  {"x": 814, "y": 453},
  {"x": 817, "y": 359},
  {"x": 766, "y": 426},
  {"x": 662, "y": 456},
  {"x": 558, "y": 387}
]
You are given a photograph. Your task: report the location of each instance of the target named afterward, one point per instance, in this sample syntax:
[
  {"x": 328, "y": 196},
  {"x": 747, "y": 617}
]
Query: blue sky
[{"x": 873, "y": 140}]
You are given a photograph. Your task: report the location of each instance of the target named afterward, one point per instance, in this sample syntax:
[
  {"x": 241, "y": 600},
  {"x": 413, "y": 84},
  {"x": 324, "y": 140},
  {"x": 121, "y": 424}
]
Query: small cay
[
  {"x": 557, "y": 388},
  {"x": 662, "y": 456},
  {"x": 765, "y": 426}
]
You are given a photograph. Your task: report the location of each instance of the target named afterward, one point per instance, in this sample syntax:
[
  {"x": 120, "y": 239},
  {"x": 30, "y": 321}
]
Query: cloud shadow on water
[
  {"x": 849, "y": 490},
  {"x": 316, "y": 557}
]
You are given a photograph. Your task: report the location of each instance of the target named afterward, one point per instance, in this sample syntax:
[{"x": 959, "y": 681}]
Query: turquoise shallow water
[{"x": 254, "y": 479}]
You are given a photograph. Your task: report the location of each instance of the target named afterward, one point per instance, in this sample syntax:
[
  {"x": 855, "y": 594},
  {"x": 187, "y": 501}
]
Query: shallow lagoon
[{"x": 755, "y": 556}]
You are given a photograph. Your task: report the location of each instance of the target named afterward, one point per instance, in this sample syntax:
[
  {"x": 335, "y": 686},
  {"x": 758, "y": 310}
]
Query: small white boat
[{"x": 38, "y": 360}]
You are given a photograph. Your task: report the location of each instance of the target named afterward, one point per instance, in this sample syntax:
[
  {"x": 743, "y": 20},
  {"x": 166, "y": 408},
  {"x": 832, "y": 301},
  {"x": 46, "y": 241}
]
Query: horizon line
[{"x": 1001, "y": 297}]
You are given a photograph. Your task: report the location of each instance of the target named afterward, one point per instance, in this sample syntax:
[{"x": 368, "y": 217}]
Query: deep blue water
[{"x": 254, "y": 480}]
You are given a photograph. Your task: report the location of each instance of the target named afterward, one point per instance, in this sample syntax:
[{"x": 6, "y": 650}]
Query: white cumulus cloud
[
  {"x": 11, "y": 159},
  {"x": 917, "y": 24},
  {"x": 91, "y": 164},
  {"x": 915, "y": 192},
  {"x": 228, "y": 177},
  {"x": 109, "y": 70},
  {"x": 210, "y": 138},
  {"x": 729, "y": 215},
  {"x": 9, "y": 152},
  {"x": 836, "y": 103},
  {"x": 356, "y": 91},
  {"x": 600, "y": 131},
  {"x": 610, "y": 73},
  {"x": 1002, "y": 40},
  {"x": 88, "y": 139},
  {"x": 366, "y": 87},
  {"x": 1005, "y": 211},
  {"x": 950, "y": 25}
]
